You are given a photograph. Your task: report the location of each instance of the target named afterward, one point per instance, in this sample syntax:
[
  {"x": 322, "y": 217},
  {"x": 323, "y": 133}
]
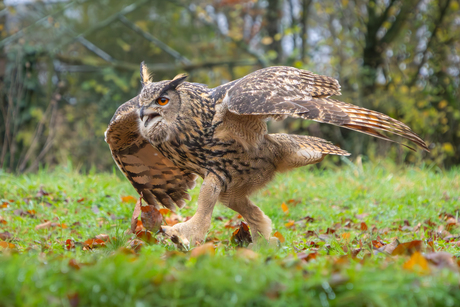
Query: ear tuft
[
  {"x": 146, "y": 76},
  {"x": 178, "y": 80}
]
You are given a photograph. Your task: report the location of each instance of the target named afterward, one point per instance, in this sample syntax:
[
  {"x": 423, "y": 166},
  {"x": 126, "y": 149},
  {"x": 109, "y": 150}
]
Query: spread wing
[
  {"x": 289, "y": 91},
  {"x": 151, "y": 173}
]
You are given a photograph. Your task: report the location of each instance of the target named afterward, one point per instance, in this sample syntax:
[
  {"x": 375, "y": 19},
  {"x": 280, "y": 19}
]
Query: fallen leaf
[
  {"x": 408, "y": 248},
  {"x": 205, "y": 249},
  {"x": 7, "y": 244},
  {"x": 136, "y": 245},
  {"x": 247, "y": 253},
  {"x": 389, "y": 248},
  {"x": 5, "y": 236},
  {"x": 354, "y": 253},
  {"x": 151, "y": 218},
  {"x": 241, "y": 236},
  {"x": 307, "y": 257},
  {"x": 41, "y": 192},
  {"x": 136, "y": 213},
  {"x": 442, "y": 260},
  {"x": 376, "y": 244},
  {"x": 103, "y": 237},
  {"x": 74, "y": 264},
  {"x": 346, "y": 236},
  {"x": 69, "y": 244},
  {"x": 361, "y": 216},
  {"x": 279, "y": 236},
  {"x": 293, "y": 201},
  {"x": 21, "y": 212},
  {"x": 308, "y": 219},
  {"x": 310, "y": 233},
  {"x": 363, "y": 226},
  {"x": 128, "y": 199},
  {"x": 146, "y": 236},
  {"x": 289, "y": 224},
  {"x": 44, "y": 225},
  {"x": 74, "y": 299},
  {"x": 284, "y": 208},
  {"x": 164, "y": 211},
  {"x": 417, "y": 263},
  {"x": 93, "y": 243}
]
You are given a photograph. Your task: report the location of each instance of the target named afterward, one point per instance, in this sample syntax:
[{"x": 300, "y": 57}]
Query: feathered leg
[
  {"x": 259, "y": 223},
  {"x": 195, "y": 229}
]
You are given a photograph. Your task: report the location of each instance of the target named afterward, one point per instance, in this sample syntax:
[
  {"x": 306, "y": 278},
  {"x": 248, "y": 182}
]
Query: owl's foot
[{"x": 183, "y": 235}]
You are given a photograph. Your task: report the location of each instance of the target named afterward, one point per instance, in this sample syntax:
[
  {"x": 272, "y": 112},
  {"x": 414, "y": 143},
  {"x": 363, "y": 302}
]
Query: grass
[{"x": 391, "y": 200}]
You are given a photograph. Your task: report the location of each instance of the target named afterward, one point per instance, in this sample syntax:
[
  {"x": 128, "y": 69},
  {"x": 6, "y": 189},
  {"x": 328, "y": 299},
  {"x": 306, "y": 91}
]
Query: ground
[{"x": 64, "y": 242}]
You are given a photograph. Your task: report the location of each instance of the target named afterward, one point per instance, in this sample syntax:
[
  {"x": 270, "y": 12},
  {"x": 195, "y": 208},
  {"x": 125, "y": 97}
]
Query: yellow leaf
[
  {"x": 279, "y": 236},
  {"x": 128, "y": 199},
  {"x": 346, "y": 236},
  {"x": 6, "y": 244},
  {"x": 417, "y": 263},
  {"x": 289, "y": 224},
  {"x": 284, "y": 208}
]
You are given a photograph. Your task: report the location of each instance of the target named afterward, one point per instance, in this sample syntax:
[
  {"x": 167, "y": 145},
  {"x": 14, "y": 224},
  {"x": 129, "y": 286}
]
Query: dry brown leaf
[
  {"x": 93, "y": 243},
  {"x": 389, "y": 248},
  {"x": 361, "y": 216},
  {"x": 103, "y": 237},
  {"x": 247, "y": 253},
  {"x": 376, "y": 244},
  {"x": 280, "y": 237},
  {"x": 69, "y": 244},
  {"x": 307, "y": 257},
  {"x": 417, "y": 263},
  {"x": 136, "y": 213},
  {"x": 74, "y": 299},
  {"x": 363, "y": 226},
  {"x": 44, "y": 225},
  {"x": 442, "y": 260},
  {"x": 135, "y": 245},
  {"x": 241, "y": 236},
  {"x": 205, "y": 249},
  {"x": 74, "y": 264},
  {"x": 151, "y": 218},
  {"x": 146, "y": 236},
  {"x": 5, "y": 236},
  {"x": 408, "y": 248}
]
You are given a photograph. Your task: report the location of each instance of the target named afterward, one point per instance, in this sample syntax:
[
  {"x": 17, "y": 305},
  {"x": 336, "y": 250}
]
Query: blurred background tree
[{"x": 65, "y": 66}]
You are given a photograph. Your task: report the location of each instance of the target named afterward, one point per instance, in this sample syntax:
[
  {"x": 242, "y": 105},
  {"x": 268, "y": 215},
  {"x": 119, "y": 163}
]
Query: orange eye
[{"x": 162, "y": 101}]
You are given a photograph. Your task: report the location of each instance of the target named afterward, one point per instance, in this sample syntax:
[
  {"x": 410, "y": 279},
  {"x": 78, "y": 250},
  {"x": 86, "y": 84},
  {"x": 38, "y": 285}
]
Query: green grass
[{"x": 36, "y": 272}]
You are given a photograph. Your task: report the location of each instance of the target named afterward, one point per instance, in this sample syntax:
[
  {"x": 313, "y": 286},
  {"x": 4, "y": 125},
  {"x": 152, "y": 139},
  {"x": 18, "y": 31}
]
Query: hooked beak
[{"x": 146, "y": 117}]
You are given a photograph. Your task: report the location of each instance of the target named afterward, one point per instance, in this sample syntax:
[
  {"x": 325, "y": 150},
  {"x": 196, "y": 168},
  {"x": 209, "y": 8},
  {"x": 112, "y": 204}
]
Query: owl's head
[{"x": 159, "y": 106}]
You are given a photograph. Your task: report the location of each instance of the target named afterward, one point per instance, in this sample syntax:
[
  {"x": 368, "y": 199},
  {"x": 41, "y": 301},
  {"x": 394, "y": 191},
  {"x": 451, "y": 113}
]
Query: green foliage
[{"x": 37, "y": 271}]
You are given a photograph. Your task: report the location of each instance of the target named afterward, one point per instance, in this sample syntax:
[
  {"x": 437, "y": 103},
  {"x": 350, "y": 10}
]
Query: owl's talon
[{"x": 179, "y": 235}]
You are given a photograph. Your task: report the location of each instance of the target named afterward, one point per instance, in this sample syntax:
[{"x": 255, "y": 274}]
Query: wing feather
[
  {"x": 151, "y": 173},
  {"x": 298, "y": 93}
]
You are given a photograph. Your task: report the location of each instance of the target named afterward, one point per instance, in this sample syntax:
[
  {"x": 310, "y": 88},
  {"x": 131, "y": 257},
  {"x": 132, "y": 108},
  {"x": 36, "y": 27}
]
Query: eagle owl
[{"x": 174, "y": 131}]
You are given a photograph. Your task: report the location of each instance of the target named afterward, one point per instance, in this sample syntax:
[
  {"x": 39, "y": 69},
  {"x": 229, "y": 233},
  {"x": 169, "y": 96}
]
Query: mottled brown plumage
[{"x": 174, "y": 130}]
